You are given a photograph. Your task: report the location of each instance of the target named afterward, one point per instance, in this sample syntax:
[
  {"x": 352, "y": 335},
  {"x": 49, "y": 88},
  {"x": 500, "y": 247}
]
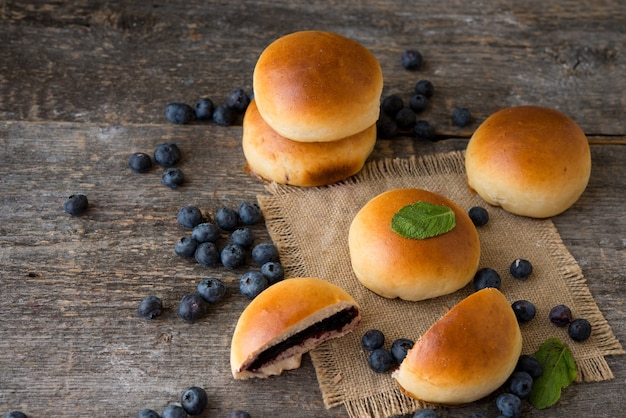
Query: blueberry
[
  {"x": 520, "y": 384},
  {"x": 425, "y": 87},
  {"x": 172, "y": 177},
  {"x": 189, "y": 217},
  {"x": 560, "y": 315},
  {"x": 264, "y": 252},
  {"x": 478, "y": 215},
  {"x": 579, "y": 329},
  {"x": 242, "y": 236},
  {"x": 461, "y": 116},
  {"x": 194, "y": 400},
  {"x": 273, "y": 271},
  {"x": 426, "y": 413},
  {"x": 223, "y": 115},
  {"x": 185, "y": 247},
  {"x": 76, "y": 204},
  {"x": 207, "y": 254},
  {"x": 521, "y": 269},
  {"x": 524, "y": 310},
  {"x": 167, "y": 154},
  {"x": 400, "y": 348},
  {"x": 380, "y": 360},
  {"x": 147, "y": 413},
  {"x": 211, "y": 289},
  {"x": 239, "y": 414},
  {"x": 392, "y": 104},
  {"x": 179, "y": 113},
  {"x": 226, "y": 218},
  {"x": 509, "y": 405},
  {"x": 424, "y": 130},
  {"x": 150, "y": 307},
  {"x": 529, "y": 364},
  {"x": 238, "y": 100},
  {"x": 16, "y": 414},
  {"x": 233, "y": 256},
  {"x": 204, "y": 109},
  {"x": 252, "y": 283},
  {"x": 249, "y": 213},
  {"x": 411, "y": 59},
  {"x": 205, "y": 232},
  {"x": 386, "y": 127},
  {"x": 405, "y": 118},
  {"x": 487, "y": 277},
  {"x": 191, "y": 307},
  {"x": 140, "y": 162},
  {"x": 174, "y": 411},
  {"x": 372, "y": 339},
  {"x": 418, "y": 102}
]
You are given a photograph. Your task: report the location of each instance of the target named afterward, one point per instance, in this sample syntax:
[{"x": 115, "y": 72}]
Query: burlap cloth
[{"x": 310, "y": 228}]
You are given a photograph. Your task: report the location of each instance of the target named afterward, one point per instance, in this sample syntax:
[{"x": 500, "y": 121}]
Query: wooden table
[{"x": 84, "y": 85}]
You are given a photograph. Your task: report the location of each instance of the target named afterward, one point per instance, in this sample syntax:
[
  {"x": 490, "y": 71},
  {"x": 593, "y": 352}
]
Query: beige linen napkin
[{"x": 310, "y": 228}]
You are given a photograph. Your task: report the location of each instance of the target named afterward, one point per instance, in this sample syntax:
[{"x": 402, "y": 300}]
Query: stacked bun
[{"x": 313, "y": 118}]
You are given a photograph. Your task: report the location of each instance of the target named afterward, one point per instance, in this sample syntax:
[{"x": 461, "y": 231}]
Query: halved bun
[
  {"x": 287, "y": 320},
  {"x": 276, "y": 158},
  {"x": 531, "y": 160},
  {"x": 411, "y": 269},
  {"x": 316, "y": 86},
  {"x": 466, "y": 355}
]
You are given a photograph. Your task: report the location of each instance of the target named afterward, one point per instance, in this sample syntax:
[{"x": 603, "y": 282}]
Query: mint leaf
[
  {"x": 559, "y": 370},
  {"x": 422, "y": 220}
]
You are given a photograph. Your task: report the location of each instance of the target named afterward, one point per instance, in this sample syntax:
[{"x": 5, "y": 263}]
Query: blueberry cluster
[
  {"x": 16, "y": 414},
  {"x": 578, "y": 329},
  {"x": 380, "y": 359},
  {"x": 166, "y": 155},
  {"x": 205, "y": 110}
]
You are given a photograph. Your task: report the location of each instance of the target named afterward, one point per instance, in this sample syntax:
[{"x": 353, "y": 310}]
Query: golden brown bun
[
  {"x": 276, "y": 158},
  {"x": 315, "y": 86},
  {"x": 412, "y": 269},
  {"x": 531, "y": 160},
  {"x": 281, "y": 312},
  {"x": 466, "y": 355}
]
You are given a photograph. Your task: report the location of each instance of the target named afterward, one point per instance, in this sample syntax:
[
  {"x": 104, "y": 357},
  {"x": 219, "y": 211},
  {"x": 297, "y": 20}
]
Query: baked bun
[
  {"x": 276, "y": 158},
  {"x": 316, "y": 86},
  {"x": 531, "y": 160},
  {"x": 287, "y": 320},
  {"x": 466, "y": 355},
  {"x": 411, "y": 269}
]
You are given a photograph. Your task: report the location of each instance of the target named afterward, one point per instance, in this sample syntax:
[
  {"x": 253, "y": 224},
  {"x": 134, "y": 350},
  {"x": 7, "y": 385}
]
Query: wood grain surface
[{"x": 85, "y": 84}]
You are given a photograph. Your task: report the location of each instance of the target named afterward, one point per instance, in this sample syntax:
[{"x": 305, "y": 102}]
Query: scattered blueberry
[
  {"x": 226, "y": 218},
  {"x": 191, "y": 307},
  {"x": 406, "y": 118},
  {"x": 461, "y": 116},
  {"x": 380, "y": 360},
  {"x": 242, "y": 236},
  {"x": 140, "y": 162},
  {"x": 425, "y": 87},
  {"x": 167, "y": 154},
  {"x": 239, "y": 414},
  {"x": 194, "y": 400},
  {"x": 521, "y": 269},
  {"x": 400, "y": 348},
  {"x": 252, "y": 283},
  {"x": 418, "y": 102},
  {"x": 205, "y": 232},
  {"x": 207, "y": 254},
  {"x": 372, "y": 339},
  {"x": 529, "y": 364},
  {"x": 560, "y": 315},
  {"x": 273, "y": 271},
  {"x": 411, "y": 59},
  {"x": 173, "y": 177},
  {"x": 223, "y": 115},
  {"x": 233, "y": 256},
  {"x": 150, "y": 307},
  {"x": 147, "y": 413},
  {"x": 478, "y": 215},
  {"x": 76, "y": 204},
  {"x": 579, "y": 329},
  {"x": 524, "y": 310},
  {"x": 392, "y": 104},
  {"x": 509, "y": 405},
  {"x": 211, "y": 289},
  {"x": 424, "y": 130},
  {"x": 174, "y": 411},
  {"x": 204, "y": 109},
  {"x": 264, "y": 252},
  {"x": 249, "y": 213},
  {"x": 179, "y": 113},
  {"x": 520, "y": 384},
  {"x": 16, "y": 414},
  {"x": 386, "y": 127},
  {"x": 487, "y": 277},
  {"x": 426, "y": 413},
  {"x": 189, "y": 217},
  {"x": 185, "y": 247},
  {"x": 238, "y": 100}
]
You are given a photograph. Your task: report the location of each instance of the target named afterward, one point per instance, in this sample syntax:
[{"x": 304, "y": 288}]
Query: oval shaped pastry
[
  {"x": 466, "y": 355},
  {"x": 411, "y": 269},
  {"x": 287, "y": 320}
]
